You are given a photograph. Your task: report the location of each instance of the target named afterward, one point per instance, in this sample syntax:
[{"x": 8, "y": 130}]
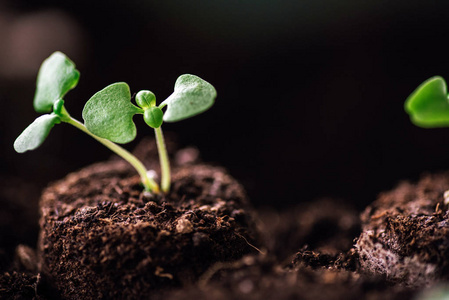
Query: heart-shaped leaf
[
  {"x": 109, "y": 113},
  {"x": 35, "y": 134},
  {"x": 56, "y": 77},
  {"x": 192, "y": 96},
  {"x": 428, "y": 105}
]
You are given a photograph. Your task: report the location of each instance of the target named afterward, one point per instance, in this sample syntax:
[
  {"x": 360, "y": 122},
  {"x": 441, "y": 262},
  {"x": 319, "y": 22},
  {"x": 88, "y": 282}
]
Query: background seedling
[
  {"x": 109, "y": 113},
  {"x": 56, "y": 77},
  {"x": 428, "y": 105}
]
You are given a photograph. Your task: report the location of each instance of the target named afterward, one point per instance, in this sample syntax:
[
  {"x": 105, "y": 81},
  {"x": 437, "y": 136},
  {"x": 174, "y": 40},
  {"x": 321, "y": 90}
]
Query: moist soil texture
[{"x": 102, "y": 237}]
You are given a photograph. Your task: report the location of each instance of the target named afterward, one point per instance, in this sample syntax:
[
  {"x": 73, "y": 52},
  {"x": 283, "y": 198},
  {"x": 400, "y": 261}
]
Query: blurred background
[{"x": 310, "y": 93}]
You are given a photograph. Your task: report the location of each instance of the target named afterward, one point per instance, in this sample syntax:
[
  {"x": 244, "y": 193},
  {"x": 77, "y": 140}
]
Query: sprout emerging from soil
[
  {"x": 108, "y": 114},
  {"x": 428, "y": 105}
]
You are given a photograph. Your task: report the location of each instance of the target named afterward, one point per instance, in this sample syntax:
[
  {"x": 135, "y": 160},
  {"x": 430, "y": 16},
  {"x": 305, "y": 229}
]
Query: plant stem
[
  {"x": 148, "y": 182},
  {"x": 163, "y": 159}
]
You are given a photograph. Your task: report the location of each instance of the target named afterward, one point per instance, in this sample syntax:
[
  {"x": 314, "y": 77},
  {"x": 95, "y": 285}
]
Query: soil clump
[
  {"x": 405, "y": 233},
  {"x": 99, "y": 229}
]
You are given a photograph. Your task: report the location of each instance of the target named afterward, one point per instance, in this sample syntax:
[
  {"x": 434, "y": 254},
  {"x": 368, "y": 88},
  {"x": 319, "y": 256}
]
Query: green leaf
[
  {"x": 56, "y": 77},
  {"x": 35, "y": 134},
  {"x": 153, "y": 117},
  {"x": 109, "y": 114},
  {"x": 192, "y": 96},
  {"x": 145, "y": 99},
  {"x": 428, "y": 105}
]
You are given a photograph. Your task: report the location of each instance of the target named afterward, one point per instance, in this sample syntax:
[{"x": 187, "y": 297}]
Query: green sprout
[
  {"x": 428, "y": 105},
  {"x": 108, "y": 114}
]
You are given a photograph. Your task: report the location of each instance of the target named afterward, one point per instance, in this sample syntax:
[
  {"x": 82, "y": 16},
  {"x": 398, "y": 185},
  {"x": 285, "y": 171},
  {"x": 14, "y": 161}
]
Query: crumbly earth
[
  {"x": 111, "y": 241},
  {"x": 405, "y": 233},
  {"x": 261, "y": 277},
  {"x": 18, "y": 285},
  {"x": 100, "y": 230},
  {"x": 309, "y": 271}
]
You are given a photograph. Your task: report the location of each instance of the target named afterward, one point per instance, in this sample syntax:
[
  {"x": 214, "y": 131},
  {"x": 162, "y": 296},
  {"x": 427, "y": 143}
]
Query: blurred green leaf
[
  {"x": 439, "y": 292},
  {"x": 56, "y": 77},
  {"x": 428, "y": 105},
  {"x": 192, "y": 96},
  {"x": 35, "y": 134},
  {"x": 109, "y": 113}
]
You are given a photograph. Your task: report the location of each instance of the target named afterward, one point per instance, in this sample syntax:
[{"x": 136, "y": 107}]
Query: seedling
[
  {"x": 108, "y": 114},
  {"x": 428, "y": 105}
]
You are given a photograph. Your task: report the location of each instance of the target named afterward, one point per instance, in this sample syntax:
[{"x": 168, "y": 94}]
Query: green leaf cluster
[
  {"x": 109, "y": 113},
  {"x": 56, "y": 77}
]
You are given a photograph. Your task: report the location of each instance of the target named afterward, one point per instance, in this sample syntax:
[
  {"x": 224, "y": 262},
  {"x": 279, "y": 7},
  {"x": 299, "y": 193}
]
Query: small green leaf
[
  {"x": 109, "y": 113},
  {"x": 145, "y": 99},
  {"x": 56, "y": 77},
  {"x": 35, "y": 134},
  {"x": 428, "y": 105},
  {"x": 153, "y": 117},
  {"x": 192, "y": 96}
]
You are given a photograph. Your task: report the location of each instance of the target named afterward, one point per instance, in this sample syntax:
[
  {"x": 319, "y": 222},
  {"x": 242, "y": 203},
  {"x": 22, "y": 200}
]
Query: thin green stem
[
  {"x": 163, "y": 159},
  {"x": 148, "y": 182}
]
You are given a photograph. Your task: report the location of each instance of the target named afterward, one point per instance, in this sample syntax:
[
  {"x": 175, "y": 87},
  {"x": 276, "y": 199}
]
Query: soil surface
[
  {"x": 100, "y": 229},
  {"x": 113, "y": 241},
  {"x": 406, "y": 233}
]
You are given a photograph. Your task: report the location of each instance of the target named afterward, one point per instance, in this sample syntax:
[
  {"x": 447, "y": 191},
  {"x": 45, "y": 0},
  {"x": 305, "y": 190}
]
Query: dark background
[{"x": 310, "y": 93}]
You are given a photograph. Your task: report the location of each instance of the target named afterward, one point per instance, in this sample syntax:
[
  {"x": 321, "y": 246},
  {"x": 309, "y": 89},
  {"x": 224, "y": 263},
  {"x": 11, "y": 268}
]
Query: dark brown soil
[
  {"x": 18, "y": 285},
  {"x": 204, "y": 241},
  {"x": 99, "y": 229},
  {"x": 406, "y": 233}
]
